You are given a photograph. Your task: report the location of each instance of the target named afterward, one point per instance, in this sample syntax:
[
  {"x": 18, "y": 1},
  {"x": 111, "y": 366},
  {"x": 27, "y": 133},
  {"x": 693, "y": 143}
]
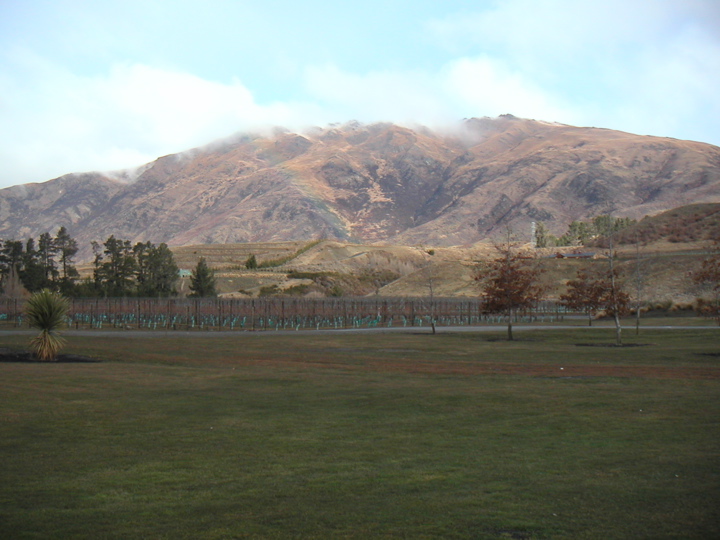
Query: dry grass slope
[{"x": 356, "y": 270}]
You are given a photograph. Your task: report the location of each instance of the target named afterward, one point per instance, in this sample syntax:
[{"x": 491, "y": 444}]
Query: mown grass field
[{"x": 365, "y": 436}]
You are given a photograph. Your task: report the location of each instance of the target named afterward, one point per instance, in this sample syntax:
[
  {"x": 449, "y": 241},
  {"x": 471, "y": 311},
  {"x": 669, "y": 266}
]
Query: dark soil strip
[{"x": 21, "y": 356}]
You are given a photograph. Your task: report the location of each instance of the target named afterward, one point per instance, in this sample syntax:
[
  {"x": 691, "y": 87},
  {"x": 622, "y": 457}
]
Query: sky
[{"x": 105, "y": 85}]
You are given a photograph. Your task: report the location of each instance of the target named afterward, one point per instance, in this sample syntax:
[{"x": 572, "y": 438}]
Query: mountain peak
[{"x": 376, "y": 182}]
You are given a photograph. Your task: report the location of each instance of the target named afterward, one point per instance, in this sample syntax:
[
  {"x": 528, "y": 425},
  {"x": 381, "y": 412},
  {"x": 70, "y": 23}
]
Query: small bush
[
  {"x": 269, "y": 290},
  {"x": 297, "y": 290},
  {"x": 46, "y": 311},
  {"x": 272, "y": 263}
]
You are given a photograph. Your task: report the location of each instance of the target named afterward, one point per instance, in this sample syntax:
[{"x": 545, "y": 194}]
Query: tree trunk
[
  {"x": 510, "y": 333},
  {"x": 614, "y": 293},
  {"x": 638, "y": 285},
  {"x": 618, "y": 331}
]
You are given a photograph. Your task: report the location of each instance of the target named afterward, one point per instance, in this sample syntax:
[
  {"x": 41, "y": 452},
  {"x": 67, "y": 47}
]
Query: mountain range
[{"x": 374, "y": 183}]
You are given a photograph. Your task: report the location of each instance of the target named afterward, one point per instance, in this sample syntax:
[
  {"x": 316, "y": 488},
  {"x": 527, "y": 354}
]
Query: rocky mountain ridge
[{"x": 375, "y": 183}]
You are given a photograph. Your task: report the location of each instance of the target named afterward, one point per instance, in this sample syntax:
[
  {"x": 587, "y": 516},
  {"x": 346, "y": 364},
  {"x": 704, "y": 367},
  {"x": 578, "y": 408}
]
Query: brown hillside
[
  {"x": 692, "y": 223},
  {"x": 377, "y": 183},
  {"x": 350, "y": 269}
]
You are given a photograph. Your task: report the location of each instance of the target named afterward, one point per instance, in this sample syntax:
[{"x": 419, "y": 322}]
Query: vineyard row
[{"x": 274, "y": 313}]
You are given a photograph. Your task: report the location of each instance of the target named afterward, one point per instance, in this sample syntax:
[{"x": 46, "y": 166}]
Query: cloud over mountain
[
  {"x": 374, "y": 183},
  {"x": 105, "y": 86}
]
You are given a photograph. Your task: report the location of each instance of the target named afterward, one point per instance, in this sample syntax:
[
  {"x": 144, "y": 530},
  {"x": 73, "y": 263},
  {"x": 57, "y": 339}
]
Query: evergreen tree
[
  {"x": 11, "y": 256},
  {"x": 31, "y": 272},
  {"x": 202, "y": 280},
  {"x": 66, "y": 248},
  {"x": 97, "y": 286},
  {"x": 157, "y": 272},
  {"x": 46, "y": 256},
  {"x": 116, "y": 274},
  {"x": 542, "y": 236},
  {"x": 579, "y": 232},
  {"x": 251, "y": 263},
  {"x": 141, "y": 251}
]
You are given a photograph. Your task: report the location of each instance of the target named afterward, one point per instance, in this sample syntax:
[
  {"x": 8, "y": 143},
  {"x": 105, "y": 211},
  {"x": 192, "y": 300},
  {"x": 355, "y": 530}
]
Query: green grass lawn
[{"x": 365, "y": 436}]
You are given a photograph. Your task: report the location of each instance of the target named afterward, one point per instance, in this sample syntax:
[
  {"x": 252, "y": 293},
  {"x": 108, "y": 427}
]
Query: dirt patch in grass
[
  {"x": 509, "y": 533},
  {"x": 534, "y": 370},
  {"x": 498, "y": 368},
  {"x": 516, "y": 340},
  {"x": 7, "y": 355},
  {"x": 612, "y": 345}
]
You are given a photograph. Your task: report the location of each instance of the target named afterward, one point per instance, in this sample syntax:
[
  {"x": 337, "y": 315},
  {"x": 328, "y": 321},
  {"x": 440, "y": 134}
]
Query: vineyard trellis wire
[{"x": 275, "y": 313}]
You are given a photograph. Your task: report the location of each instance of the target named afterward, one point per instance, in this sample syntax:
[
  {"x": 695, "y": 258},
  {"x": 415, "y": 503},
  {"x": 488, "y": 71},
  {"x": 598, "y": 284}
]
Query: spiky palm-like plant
[{"x": 46, "y": 311}]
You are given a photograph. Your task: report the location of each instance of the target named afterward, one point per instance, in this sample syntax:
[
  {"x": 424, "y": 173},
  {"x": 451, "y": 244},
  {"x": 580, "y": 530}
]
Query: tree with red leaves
[
  {"x": 606, "y": 286},
  {"x": 511, "y": 284},
  {"x": 592, "y": 292},
  {"x": 584, "y": 294}
]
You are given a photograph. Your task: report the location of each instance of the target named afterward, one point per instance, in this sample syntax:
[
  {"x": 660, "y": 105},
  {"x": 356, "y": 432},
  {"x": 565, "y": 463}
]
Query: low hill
[
  {"x": 692, "y": 223},
  {"x": 333, "y": 268},
  {"x": 234, "y": 256}
]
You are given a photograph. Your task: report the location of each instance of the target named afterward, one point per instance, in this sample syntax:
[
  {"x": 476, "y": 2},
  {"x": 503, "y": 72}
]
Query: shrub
[
  {"x": 46, "y": 311},
  {"x": 269, "y": 290}
]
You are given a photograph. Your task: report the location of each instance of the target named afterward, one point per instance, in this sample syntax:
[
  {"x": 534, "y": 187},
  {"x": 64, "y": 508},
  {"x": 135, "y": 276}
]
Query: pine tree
[
  {"x": 32, "y": 273},
  {"x": 47, "y": 250},
  {"x": 157, "y": 272},
  {"x": 67, "y": 248},
  {"x": 11, "y": 256},
  {"x": 116, "y": 275},
  {"x": 543, "y": 238},
  {"x": 96, "y": 286},
  {"x": 202, "y": 280}
]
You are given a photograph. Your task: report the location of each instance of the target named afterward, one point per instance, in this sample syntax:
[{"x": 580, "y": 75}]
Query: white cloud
[
  {"x": 645, "y": 66},
  {"x": 485, "y": 87},
  {"x": 135, "y": 113},
  {"x": 378, "y": 96},
  {"x": 464, "y": 88},
  {"x": 556, "y": 31},
  {"x": 665, "y": 88},
  {"x": 67, "y": 123}
]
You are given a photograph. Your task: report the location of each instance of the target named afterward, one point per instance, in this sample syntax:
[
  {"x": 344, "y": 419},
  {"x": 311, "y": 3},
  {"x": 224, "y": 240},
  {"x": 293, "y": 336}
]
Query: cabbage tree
[{"x": 46, "y": 311}]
